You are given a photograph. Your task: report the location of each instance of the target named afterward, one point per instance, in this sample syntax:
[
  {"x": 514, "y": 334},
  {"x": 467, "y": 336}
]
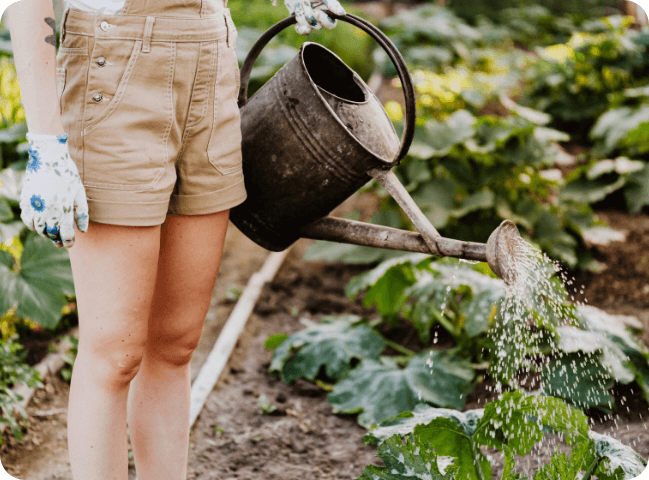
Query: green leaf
[
  {"x": 15, "y": 133},
  {"x": 11, "y": 184},
  {"x": 377, "y": 281},
  {"x": 612, "y": 358},
  {"x": 436, "y": 199},
  {"x": 636, "y": 192},
  {"x": 275, "y": 340},
  {"x": 618, "y": 456},
  {"x": 516, "y": 422},
  {"x": 10, "y": 230},
  {"x": 332, "y": 343},
  {"x": 448, "y": 439},
  {"x": 414, "y": 460},
  {"x": 405, "y": 423},
  {"x": 265, "y": 406},
  {"x": 5, "y": 211},
  {"x": 580, "y": 379},
  {"x": 380, "y": 389},
  {"x": 442, "y": 136},
  {"x": 6, "y": 260},
  {"x": 480, "y": 200},
  {"x": 564, "y": 468},
  {"x": 40, "y": 286}
]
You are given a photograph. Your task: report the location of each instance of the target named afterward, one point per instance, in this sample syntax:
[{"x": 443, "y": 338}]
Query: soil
[{"x": 302, "y": 438}]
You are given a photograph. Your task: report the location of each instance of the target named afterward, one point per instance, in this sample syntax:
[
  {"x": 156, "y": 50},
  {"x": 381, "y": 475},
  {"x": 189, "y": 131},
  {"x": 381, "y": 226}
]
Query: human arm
[
  {"x": 52, "y": 196},
  {"x": 35, "y": 58}
]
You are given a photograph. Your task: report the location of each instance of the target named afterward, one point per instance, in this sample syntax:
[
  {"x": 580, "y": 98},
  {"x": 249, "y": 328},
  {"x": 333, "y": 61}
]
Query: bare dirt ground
[{"x": 303, "y": 439}]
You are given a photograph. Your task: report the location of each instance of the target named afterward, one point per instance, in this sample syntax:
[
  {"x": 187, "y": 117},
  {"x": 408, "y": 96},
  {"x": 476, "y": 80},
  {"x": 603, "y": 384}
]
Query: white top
[{"x": 106, "y": 7}]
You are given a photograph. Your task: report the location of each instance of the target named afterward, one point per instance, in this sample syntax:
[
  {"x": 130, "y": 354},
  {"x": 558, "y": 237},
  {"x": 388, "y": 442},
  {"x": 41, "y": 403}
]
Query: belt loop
[
  {"x": 63, "y": 19},
  {"x": 227, "y": 29},
  {"x": 148, "y": 29}
]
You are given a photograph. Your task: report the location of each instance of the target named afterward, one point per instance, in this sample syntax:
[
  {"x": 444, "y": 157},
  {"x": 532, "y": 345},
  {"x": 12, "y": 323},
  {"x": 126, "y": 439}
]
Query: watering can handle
[{"x": 381, "y": 39}]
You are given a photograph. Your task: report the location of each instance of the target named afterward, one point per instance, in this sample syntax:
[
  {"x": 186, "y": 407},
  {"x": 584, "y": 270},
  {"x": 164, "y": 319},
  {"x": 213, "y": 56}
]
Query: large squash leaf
[
  {"x": 39, "y": 286},
  {"x": 620, "y": 461},
  {"x": 580, "y": 379},
  {"x": 414, "y": 460},
  {"x": 450, "y": 440},
  {"x": 380, "y": 389},
  {"x": 405, "y": 423},
  {"x": 516, "y": 422},
  {"x": 332, "y": 343}
]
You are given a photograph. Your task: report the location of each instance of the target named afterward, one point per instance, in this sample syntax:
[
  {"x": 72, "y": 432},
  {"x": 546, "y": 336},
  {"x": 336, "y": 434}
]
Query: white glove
[
  {"x": 52, "y": 191},
  {"x": 312, "y": 16}
]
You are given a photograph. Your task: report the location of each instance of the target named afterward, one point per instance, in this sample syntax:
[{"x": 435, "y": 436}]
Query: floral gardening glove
[
  {"x": 311, "y": 16},
  {"x": 53, "y": 195}
]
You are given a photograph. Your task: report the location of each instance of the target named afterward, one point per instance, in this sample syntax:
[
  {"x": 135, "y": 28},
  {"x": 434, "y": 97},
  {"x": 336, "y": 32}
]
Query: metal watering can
[{"x": 313, "y": 135}]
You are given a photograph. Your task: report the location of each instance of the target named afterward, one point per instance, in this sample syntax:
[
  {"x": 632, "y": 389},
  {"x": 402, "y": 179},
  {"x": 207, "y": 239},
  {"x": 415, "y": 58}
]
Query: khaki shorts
[{"x": 150, "y": 107}]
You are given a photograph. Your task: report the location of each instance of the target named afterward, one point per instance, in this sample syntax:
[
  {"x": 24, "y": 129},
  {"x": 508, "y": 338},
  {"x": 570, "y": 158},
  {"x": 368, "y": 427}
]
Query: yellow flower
[
  {"x": 394, "y": 111},
  {"x": 558, "y": 53},
  {"x": 14, "y": 247}
]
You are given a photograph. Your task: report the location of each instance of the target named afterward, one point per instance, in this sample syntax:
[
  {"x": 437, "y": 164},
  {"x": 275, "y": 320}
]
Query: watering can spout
[{"x": 500, "y": 251}]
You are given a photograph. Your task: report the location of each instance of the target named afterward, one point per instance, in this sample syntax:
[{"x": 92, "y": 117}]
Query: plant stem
[
  {"x": 445, "y": 323},
  {"x": 399, "y": 348},
  {"x": 591, "y": 470},
  {"x": 476, "y": 452}
]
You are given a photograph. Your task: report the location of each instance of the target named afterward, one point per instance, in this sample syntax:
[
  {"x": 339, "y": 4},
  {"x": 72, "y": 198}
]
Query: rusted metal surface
[
  {"x": 389, "y": 180},
  {"x": 300, "y": 161},
  {"x": 360, "y": 233},
  {"x": 503, "y": 248}
]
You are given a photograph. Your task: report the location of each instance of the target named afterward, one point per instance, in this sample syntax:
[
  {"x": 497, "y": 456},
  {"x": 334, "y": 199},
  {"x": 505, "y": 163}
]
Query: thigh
[
  {"x": 190, "y": 256},
  {"x": 114, "y": 269}
]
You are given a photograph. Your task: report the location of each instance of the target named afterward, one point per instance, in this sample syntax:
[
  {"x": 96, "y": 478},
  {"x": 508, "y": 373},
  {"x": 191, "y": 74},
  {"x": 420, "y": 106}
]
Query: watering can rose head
[{"x": 311, "y": 15}]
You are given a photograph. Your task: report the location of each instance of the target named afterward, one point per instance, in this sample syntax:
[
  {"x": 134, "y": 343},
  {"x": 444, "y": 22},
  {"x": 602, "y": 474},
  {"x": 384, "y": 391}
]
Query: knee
[
  {"x": 174, "y": 349},
  {"x": 114, "y": 367}
]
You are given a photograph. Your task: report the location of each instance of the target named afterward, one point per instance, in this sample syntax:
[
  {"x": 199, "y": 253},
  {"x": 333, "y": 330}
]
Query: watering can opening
[
  {"x": 350, "y": 102},
  {"x": 331, "y": 75}
]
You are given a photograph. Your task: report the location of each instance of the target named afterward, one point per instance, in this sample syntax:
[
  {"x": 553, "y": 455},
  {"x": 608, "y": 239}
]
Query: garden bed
[{"x": 302, "y": 438}]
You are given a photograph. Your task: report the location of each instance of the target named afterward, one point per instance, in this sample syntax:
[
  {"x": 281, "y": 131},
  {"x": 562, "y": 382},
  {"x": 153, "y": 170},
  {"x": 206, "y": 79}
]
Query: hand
[
  {"x": 311, "y": 16},
  {"x": 53, "y": 195}
]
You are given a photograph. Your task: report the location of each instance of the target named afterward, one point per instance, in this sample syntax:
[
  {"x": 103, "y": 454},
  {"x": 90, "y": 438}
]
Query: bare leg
[
  {"x": 114, "y": 269},
  {"x": 159, "y": 397}
]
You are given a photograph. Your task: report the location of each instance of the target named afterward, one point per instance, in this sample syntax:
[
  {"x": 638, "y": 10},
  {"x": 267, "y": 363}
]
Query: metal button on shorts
[{"x": 149, "y": 102}]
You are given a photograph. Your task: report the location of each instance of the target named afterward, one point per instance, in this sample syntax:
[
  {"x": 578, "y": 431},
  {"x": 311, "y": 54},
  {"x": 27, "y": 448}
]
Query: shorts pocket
[
  {"x": 125, "y": 144},
  {"x": 111, "y": 65},
  {"x": 224, "y": 147}
]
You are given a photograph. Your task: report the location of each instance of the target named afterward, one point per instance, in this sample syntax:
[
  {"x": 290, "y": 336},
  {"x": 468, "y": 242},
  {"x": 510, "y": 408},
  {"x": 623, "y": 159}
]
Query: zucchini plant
[{"x": 438, "y": 444}]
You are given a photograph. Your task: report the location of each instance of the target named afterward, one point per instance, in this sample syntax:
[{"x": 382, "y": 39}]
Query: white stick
[{"x": 218, "y": 357}]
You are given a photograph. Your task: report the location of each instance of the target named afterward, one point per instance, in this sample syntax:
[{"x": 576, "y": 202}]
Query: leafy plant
[
  {"x": 577, "y": 353},
  {"x": 333, "y": 344},
  {"x": 265, "y": 406},
  {"x": 69, "y": 357},
  {"x": 448, "y": 443},
  {"x": 598, "y": 179},
  {"x": 469, "y": 173},
  {"x": 13, "y": 371},
  {"x": 38, "y": 282},
  {"x": 572, "y": 80},
  {"x": 380, "y": 389}
]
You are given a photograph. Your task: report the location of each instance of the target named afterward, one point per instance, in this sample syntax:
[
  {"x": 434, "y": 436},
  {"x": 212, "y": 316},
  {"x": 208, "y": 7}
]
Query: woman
[{"x": 142, "y": 151}]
